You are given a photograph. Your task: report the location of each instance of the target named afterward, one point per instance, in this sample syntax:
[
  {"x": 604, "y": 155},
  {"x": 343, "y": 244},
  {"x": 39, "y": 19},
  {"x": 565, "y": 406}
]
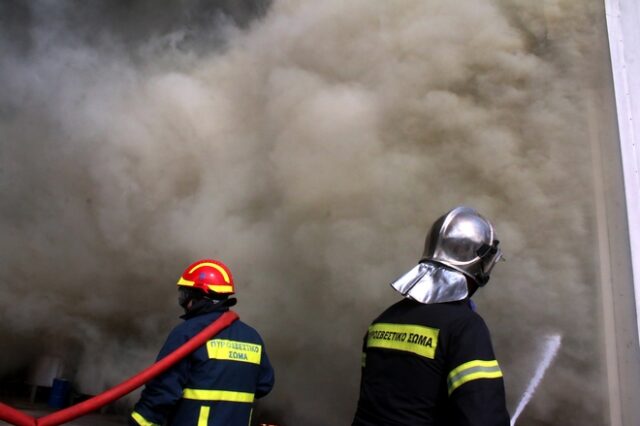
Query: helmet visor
[{"x": 489, "y": 260}]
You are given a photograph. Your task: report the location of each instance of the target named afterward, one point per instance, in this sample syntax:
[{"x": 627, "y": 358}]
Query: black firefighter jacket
[
  {"x": 214, "y": 386},
  {"x": 430, "y": 365}
]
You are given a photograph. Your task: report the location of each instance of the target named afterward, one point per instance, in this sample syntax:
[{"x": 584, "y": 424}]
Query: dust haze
[{"x": 309, "y": 145}]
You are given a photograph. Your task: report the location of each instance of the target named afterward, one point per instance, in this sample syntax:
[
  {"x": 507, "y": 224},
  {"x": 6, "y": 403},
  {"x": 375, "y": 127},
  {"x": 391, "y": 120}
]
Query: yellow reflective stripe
[
  {"x": 416, "y": 339},
  {"x": 232, "y": 350},
  {"x": 217, "y": 395},
  {"x": 364, "y": 359},
  {"x": 214, "y": 266},
  {"x": 221, "y": 288},
  {"x": 217, "y": 288},
  {"x": 182, "y": 281},
  {"x": 141, "y": 420},
  {"x": 203, "y": 418},
  {"x": 472, "y": 370}
]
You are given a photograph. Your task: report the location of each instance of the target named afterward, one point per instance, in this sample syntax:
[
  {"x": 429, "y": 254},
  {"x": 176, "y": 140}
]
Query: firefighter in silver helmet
[{"x": 428, "y": 359}]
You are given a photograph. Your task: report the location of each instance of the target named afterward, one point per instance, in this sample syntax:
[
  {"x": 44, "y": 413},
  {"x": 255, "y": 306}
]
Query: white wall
[
  {"x": 621, "y": 321},
  {"x": 624, "y": 40}
]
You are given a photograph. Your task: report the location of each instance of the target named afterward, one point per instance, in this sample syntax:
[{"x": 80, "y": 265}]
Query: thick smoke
[{"x": 309, "y": 145}]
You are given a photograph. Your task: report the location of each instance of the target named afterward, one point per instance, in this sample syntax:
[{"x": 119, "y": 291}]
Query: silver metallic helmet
[{"x": 465, "y": 241}]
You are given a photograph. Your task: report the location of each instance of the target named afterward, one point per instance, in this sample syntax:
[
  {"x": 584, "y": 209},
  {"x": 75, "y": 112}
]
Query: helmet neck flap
[{"x": 429, "y": 282}]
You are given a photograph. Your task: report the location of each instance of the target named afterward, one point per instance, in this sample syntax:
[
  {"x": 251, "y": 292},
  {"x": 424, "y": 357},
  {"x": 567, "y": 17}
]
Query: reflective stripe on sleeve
[
  {"x": 217, "y": 395},
  {"x": 141, "y": 420},
  {"x": 472, "y": 370},
  {"x": 203, "y": 418}
]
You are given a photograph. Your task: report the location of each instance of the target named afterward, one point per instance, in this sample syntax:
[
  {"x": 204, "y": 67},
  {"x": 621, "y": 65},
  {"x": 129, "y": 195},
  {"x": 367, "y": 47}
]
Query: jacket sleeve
[
  {"x": 474, "y": 379},
  {"x": 161, "y": 394},
  {"x": 266, "y": 376}
]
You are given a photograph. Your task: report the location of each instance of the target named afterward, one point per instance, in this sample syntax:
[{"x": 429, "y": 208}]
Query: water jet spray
[{"x": 552, "y": 344}]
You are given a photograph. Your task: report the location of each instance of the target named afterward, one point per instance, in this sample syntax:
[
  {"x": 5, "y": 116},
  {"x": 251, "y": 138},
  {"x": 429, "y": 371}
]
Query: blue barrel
[{"x": 59, "y": 397}]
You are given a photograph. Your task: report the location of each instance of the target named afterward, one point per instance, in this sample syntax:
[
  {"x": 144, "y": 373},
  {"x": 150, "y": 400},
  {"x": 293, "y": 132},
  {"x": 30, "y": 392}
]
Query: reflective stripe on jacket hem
[
  {"x": 217, "y": 395},
  {"x": 203, "y": 419},
  {"x": 141, "y": 420},
  {"x": 472, "y": 370}
]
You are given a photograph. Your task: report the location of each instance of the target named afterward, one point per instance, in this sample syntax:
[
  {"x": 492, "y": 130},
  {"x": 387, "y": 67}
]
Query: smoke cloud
[{"x": 309, "y": 145}]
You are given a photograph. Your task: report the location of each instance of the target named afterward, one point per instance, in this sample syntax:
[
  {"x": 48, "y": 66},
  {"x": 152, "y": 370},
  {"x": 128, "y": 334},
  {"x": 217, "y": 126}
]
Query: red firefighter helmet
[{"x": 208, "y": 275}]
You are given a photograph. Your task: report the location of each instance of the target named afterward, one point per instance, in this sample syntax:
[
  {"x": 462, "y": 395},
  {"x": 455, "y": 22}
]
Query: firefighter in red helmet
[{"x": 217, "y": 384}]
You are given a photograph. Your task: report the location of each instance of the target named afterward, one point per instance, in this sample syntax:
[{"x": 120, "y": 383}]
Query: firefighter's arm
[
  {"x": 161, "y": 394},
  {"x": 474, "y": 379},
  {"x": 266, "y": 377}
]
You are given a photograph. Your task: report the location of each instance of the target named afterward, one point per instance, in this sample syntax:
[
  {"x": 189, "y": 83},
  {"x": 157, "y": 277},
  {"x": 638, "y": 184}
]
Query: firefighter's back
[
  {"x": 405, "y": 364},
  {"x": 226, "y": 375}
]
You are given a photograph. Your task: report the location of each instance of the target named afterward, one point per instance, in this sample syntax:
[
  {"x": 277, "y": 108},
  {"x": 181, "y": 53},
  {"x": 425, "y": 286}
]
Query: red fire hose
[
  {"x": 15, "y": 417},
  {"x": 18, "y": 418}
]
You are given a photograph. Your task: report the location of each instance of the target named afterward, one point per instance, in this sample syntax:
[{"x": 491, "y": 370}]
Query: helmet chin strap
[{"x": 472, "y": 285}]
